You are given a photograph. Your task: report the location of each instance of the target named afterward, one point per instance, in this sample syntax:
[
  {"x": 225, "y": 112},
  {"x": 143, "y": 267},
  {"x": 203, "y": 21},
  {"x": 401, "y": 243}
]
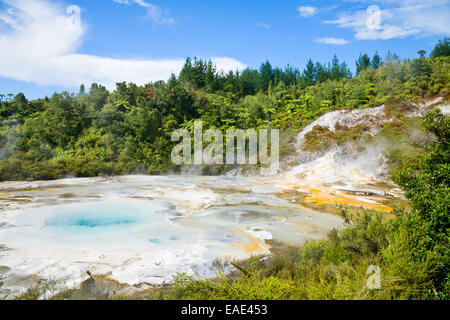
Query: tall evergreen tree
[
  {"x": 185, "y": 74},
  {"x": 345, "y": 71},
  {"x": 323, "y": 72},
  {"x": 376, "y": 61},
  {"x": 309, "y": 74},
  {"x": 266, "y": 75},
  {"x": 210, "y": 76},
  {"x": 335, "y": 73},
  {"x": 442, "y": 49},
  {"x": 291, "y": 75},
  {"x": 173, "y": 81},
  {"x": 249, "y": 82},
  {"x": 391, "y": 57},
  {"x": 362, "y": 63},
  {"x": 198, "y": 73}
]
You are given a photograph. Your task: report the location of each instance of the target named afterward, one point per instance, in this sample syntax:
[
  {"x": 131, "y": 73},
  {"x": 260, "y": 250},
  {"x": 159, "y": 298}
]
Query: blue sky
[{"x": 48, "y": 46}]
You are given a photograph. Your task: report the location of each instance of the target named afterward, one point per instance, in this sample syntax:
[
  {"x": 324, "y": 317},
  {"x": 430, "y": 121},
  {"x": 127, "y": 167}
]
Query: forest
[{"x": 97, "y": 132}]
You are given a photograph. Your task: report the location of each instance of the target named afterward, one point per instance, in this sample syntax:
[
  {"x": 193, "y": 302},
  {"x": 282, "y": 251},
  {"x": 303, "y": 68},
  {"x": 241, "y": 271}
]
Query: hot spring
[
  {"x": 144, "y": 230},
  {"x": 115, "y": 224}
]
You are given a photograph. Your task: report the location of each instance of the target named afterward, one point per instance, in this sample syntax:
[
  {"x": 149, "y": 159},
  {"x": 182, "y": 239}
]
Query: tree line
[{"x": 129, "y": 129}]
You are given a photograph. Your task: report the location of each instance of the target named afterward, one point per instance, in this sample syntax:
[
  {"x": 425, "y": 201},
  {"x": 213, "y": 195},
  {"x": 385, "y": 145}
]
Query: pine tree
[
  {"x": 323, "y": 72},
  {"x": 309, "y": 76},
  {"x": 376, "y": 61},
  {"x": 362, "y": 63},
  {"x": 266, "y": 75},
  {"x": 210, "y": 76},
  {"x": 291, "y": 75},
  {"x": 335, "y": 69},
  {"x": 391, "y": 57},
  {"x": 172, "y": 81},
  {"x": 442, "y": 49},
  {"x": 185, "y": 74},
  {"x": 345, "y": 71},
  {"x": 249, "y": 82},
  {"x": 82, "y": 89},
  {"x": 198, "y": 73}
]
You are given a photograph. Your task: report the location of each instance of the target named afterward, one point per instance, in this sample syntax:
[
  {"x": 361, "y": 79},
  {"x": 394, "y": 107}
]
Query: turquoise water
[
  {"x": 105, "y": 217},
  {"x": 124, "y": 223},
  {"x": 80, "y": 220}
]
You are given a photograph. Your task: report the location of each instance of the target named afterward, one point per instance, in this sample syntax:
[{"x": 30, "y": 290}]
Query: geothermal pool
[{"x": 142, "y": 230}]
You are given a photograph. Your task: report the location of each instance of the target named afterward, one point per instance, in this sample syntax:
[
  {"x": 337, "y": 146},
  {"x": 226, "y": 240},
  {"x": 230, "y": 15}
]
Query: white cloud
[
  {"x": 41, "y": 47},
  {"x": 155, "y": 13},
  {"x": 399, "y": 19},
  {"x": 227, "y": 64},
  {"x": 263, "y": 25},
  {"x": 307, "y": 11},
  {"x": 331, "y": 40}
]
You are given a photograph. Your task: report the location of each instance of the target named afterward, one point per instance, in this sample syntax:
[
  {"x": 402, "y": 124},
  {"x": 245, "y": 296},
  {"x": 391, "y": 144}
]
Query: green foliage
[
  {"x": 129, "y": 130},
  {"x": 402, "y": 141},
  {"x": 322, "y": 139},
  {"x": 442, "y": 49},
  {"x": 427, "y": 186},
  {"x": 362, "y": 63},
  {"x": 376, "y": 61}
]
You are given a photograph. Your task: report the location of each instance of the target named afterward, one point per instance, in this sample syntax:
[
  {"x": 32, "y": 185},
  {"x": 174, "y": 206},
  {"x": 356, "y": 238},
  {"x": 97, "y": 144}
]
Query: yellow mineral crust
[{"x": 331, "y": 197}]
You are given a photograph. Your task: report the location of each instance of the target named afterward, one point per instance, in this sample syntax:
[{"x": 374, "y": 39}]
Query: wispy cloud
[
  {"x": 331, "y": 40},
  {"x": 398, "y": 19},
  {"x": 155, "y": 13},
  {"x": 263, "y": 25},
  {"x": 307, "y": 11},
  {"x": 41, "y": 45}
]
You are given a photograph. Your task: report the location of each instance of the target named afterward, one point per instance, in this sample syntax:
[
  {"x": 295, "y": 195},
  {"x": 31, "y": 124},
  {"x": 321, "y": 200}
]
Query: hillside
[{"x": 129, "y": 130}]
